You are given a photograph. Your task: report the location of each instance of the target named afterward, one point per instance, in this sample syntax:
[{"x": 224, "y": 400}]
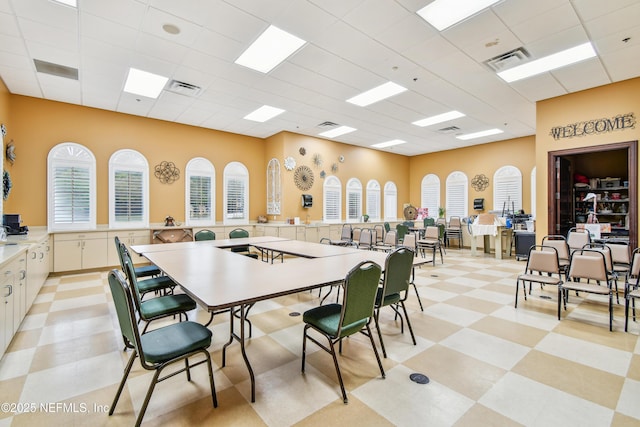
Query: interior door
[{"x": 563, "y": 196}]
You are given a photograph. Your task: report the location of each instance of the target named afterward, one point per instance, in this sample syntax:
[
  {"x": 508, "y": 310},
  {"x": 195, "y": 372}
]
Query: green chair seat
[
  {"x": 164, "y": 344},
  {"x": 327, "y": 319},
  {"x": 166, "y": 305},
  {"x": 384, "y": 300},
  {"x": 155, "y": 284},
  {"x": 147, "y": 270}
]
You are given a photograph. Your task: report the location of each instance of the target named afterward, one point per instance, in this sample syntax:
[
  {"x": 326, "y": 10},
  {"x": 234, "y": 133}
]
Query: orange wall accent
[{"x": 478, "y": 159}]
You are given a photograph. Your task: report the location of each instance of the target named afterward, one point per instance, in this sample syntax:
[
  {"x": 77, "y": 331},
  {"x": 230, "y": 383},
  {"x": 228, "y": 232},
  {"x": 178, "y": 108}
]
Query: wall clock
[
  {"x": 480, "y": 182},
  {"x": 303, "y": 177}
]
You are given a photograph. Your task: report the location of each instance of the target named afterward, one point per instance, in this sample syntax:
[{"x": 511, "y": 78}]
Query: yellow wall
[
  {"x": 479, "y": 159},
  {"x": 361, "y": 163},
  {"x": 601, "y": 102},
  {"x": 38, "y": 125}
]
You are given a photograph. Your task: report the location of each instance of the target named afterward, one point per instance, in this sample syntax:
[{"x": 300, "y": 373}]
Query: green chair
[
  {"x": 159, "y": 307},
  {"x": 395, "y": 288},
  {"x": 337, "y": 321},
  {"x": 428, "y": 221},
  {"x": 240, "y": 233},
  {"x": 157, "y": 284},
  {"x": 159, "y": 348},
  {"x": 402, "y": 230},
  {"x": 141, "y": 271},
  {"x": 204, "y": 235},
  {"x": 387, "y": 227}
]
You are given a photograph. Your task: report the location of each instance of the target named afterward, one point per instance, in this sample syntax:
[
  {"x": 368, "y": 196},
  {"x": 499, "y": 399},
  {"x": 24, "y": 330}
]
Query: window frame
[
  {"x": 200, "y": 167},
  {"x": 459, "y": 182},
  {"x": 507, "y": 187},
  {"x": 72, "y": 154},
  {"x": 236, "y": 171},
  {"x": 354, "y": 191},
  {"x": 430, "y": 188},
  {"x": 373, "y": 200},
  {"x": 132, "y": 161},
  {"x": 390, "y": 201},
  {"x": 332, "y": 185}
]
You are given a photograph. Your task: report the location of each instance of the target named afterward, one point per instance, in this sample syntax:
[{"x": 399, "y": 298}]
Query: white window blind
[
  {"x": 430, "y": 194},
  {"x": 507, "y": 190},
  {"x": 457, "y": 195},
  {"x": 236, "y": 194},
  {"x": 128, "y": 190},
  {"x": 200, "y": 185},
  {"x": 332, "y": 200},
  {"x": 354, "y": 200},
  {"x": 390, "y": 201},
  {"x": 373, "y": 200},
  {"x": 71, "y": 186}
]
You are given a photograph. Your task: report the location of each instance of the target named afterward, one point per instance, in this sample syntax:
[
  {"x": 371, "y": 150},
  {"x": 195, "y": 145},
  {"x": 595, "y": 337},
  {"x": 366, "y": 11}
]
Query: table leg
[
  {"x": 499, "y": 245},
  {"x": 244, "y": 308},
  {"x": 487, "y": 244}
]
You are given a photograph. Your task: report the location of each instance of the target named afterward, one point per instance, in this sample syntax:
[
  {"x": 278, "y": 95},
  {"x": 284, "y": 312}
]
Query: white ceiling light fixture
[
  {"x": 444, "y": 13},
  {"x": 444, "y": 117},
  {"x": 270, "y": 49},
  {"x": 72, "y": 3},
  {"x": 342, "y": 130},
  {"x": 376, "y": 94},
  {"x": 264, "y": 113},
  {"x": 389, "y": 143},
  {"x": 479, "y": 134},
  {"x": 144, "y": 83},
  {"x": 549, "y": 63}
]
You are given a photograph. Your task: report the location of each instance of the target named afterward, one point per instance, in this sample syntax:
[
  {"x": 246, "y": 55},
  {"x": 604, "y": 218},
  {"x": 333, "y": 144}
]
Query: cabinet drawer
[{"x": 61, "y": 237}]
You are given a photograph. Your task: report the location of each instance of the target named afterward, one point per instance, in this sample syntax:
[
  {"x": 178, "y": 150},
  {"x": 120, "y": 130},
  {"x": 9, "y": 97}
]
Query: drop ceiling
[{"x": 352, "y": 46}]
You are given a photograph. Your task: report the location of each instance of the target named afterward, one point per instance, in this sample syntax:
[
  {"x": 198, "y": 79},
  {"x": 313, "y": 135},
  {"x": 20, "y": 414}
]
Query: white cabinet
[
  {"x": 13, "y": 300},
  {"x": 37, "y": 269},
  {"x": 78, "y": 251},
  {"x": 129, "y": 238}
]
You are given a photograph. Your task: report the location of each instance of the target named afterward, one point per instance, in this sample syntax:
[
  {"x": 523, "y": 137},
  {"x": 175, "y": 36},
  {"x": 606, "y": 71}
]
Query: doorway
[{"x": 606, "y": 175}]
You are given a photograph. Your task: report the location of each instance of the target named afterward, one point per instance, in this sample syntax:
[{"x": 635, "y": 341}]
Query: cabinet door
[
  {"x": 19, "y": 292},
  {"x": 6, "y": 309},
  {"x": 94, "y": 253},
  {"x": 68, "y": 255}
]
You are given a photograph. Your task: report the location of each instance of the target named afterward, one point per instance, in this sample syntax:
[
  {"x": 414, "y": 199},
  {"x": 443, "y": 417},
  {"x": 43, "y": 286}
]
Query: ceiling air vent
[
  {"x": 182, "y": 88},
  {"x": 509, "y": 59},
  {"x": 325, "y": 125},
  {"x": 448, "y": 130},
  {"x": 56, "y": 69}
]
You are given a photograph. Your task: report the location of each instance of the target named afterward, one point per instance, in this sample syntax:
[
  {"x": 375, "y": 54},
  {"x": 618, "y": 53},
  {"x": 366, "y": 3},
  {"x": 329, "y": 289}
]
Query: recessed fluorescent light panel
[
  {"x": 444, "y": 117},
  {"x": 444, "y": 13},
  {"x": 337, "y": 131},
  {"x": 144, "y": 83},
  {"x": 479, "y": 134},
  {"x": 271, "y": 48},
  {"x": 264, "y": 113},
  {"x": 376, "y": 94},
  {"x": 72, "y": 3},
  {"x": 548, "y": 63},
  {"x": 389, "y": 143}
]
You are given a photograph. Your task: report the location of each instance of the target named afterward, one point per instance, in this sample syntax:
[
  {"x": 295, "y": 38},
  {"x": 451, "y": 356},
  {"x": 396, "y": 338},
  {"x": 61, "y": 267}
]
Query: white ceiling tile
[
  {"x": 47, "y": 12},
  {"x": 94, "y": 27},
  {"x": 122, "y": 12},
  {"x": 622, "y": 64},
  {"x": 591, "y": 9},
  {"x": 621, "y": 19},
  {"x": 337, "y": 8},
  {"x": 155, "y": 19},
  {"x": 37, "y": 32},
  {"x": 546, "y": 24},
  {"x": 9, "y": 25},
  {"x": 514, "y": 12},
  {"x": 585, "y": 75},
  {"x": 161, "y": 49},
  {"x": 540, "y": 87},
  {"x": 375, "y": 16},
  {"x": 485, "y": 25}
]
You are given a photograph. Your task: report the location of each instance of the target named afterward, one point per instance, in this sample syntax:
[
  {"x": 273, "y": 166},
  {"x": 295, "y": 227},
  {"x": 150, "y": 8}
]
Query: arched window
[
  {"x": 332, "y": 200},
  {"x": 507, "y": 189},
  {"x": 430, "y": 194},
  {"x": 128, "y": 190},
  {"x": 390, "y": 201},
  {"x": 373, "y": 200},
  {"x": 236, "y": 194},
  {"x": 274, "y": 187},
  {"x": 457, "y": 195},
  {"x": 71, "y": 187},
  {"x": 200, "y": 182},
  {"x": 533, "y": 192},
  {"x": 354, "y": 200}
]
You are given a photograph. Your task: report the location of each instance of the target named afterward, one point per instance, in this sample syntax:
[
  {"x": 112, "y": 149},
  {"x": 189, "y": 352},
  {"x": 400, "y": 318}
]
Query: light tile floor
[{"x": 489, "y": 363}]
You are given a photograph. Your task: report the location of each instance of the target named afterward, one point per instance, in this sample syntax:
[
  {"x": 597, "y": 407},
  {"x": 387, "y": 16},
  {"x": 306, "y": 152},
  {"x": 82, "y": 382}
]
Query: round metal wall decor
[
  {"x": 480, "y": 182},
  {"x": 167, "y": 172},
  {"x": 303, "y": 177}
]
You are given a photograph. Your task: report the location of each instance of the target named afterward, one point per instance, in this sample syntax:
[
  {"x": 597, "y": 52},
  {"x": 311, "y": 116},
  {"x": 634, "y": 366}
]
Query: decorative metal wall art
[
  {"x": 303, "y": 177},
  {"x": 167, "y": 172},
  {"x": 289, "y": 163},
  {"x": 480, "y": 182}
]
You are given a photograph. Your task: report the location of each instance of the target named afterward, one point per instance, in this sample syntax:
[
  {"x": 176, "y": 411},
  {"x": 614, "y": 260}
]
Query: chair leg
[
  {"x": 559, "y": 300},
  {"x": 413, "y": 338},
  {"x": 304, "y": 345},
  {"x": 375, "y": 351},
  {"x": 375, "y": 319},
  {"x": 626, "y": 313},
  {"x": 211, "y": 380},
  {"x": 127, "y": 369},
  {"x": 187, "y": 368},
  {"x": 147, "y": 398},
  {"x": 517, "y": 290},
  {"x": 417, "y": 295},
  {"x": 610, "y": 312},
  {"x": 335, "y": 362}
]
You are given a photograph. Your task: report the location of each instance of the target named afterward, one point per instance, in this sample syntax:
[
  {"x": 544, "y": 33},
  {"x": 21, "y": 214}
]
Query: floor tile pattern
[{"x": 488, "y": 363}]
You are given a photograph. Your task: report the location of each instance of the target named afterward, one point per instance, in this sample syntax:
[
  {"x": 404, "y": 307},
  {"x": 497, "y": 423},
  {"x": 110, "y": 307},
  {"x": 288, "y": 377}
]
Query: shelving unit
[{"x": 612, "y": 205}]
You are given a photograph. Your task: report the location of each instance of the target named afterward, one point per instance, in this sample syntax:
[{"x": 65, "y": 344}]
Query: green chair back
[
  {"x": 360, "y": 287},
  {"x": 397, "y": 272},
  {"x": 238, "y": 233},
  {"x": 131, "y": 276},
  {"x": 205, "y": 235},
  {"x": 429, "y": 221},
  {"x": 387, "y": 227},
  {"x": 402, "y": 231},
  {"x": 124, "y": 308}
]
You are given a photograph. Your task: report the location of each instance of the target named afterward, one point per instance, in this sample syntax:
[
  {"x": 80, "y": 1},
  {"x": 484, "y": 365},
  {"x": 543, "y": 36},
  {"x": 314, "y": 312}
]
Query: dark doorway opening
[{"x": 610, "y": 172}]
